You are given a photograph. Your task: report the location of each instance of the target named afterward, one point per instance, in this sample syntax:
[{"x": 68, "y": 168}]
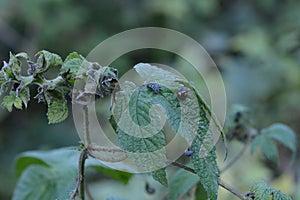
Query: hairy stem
[
  {"x": 87, "y": 139},
  {"x": 231, "y": 189},
  {"x": 80, "y": 180},
  {"x": 220, "y": 182}
]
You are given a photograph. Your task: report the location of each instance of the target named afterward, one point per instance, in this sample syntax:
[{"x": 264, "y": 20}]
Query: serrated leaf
[
  {"x": 278, "y": 132},
  {"x": 15, "y": 64},
  {"x": 132, "y": 134},
  {"x": 57, "y": 111},
  {"x": 24, "y": 95},
  {"x": 180, "y": 183},
  {"x": 12, "y": 100},
  {"x": 204, "y": 157},
  {"x": 278, "y": 195},
  {"x": 46, "y": 60},
  {"x": 262, "y": 191},
  {"x": 160, "y": 176}
]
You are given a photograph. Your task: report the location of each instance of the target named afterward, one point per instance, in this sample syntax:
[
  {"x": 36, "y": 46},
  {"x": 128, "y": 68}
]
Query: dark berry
[{"x": 182, "y": 94}]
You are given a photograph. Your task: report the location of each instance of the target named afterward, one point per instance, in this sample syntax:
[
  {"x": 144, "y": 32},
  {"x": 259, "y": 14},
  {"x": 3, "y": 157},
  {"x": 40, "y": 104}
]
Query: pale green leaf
[
  {"x": 57, "y": 111},
  {"x": 265, "y": 141},
  {"x": 12, "y": 100},
  {"x": 180, "y": 183}
]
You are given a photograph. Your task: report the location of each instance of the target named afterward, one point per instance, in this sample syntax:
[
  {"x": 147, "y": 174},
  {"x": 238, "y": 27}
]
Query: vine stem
[
  {"x": 80, "y": 188},
  {"x": 220, "y": 182},
  {"x": 80, "y": 180}
]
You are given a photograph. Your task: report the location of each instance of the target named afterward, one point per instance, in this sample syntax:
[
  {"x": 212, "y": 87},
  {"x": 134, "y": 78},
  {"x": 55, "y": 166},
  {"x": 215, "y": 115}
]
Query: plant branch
[
  {"x": 87, "y": 139},
  {"x": 237, "y": 157},
  {"x": 230, "y": 189},
  {"x": 80, "y": 180},
  {"x": 220, "y": 182}
]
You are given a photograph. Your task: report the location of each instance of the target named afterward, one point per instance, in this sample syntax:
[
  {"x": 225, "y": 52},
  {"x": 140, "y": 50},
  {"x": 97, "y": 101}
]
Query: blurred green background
[{"x": 255, "y": 45}]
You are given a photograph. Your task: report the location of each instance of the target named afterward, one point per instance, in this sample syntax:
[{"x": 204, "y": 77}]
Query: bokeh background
[{"x": 255, "y": 44}]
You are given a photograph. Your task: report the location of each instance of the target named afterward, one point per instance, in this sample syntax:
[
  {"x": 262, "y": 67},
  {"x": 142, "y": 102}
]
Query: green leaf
[
  {"x": 204, "y": 158},
  {"x": 265, "y": 141},
  {"x": 121, "y": 176},
  {"x": 12, "y": 100},
  {"x": 180, "y": 183},
  {"x": 140, "y": 114},
  {"x": 24, "y": 95},
  {"x": 23, "y": 162},
  {"x": 57, "y": 111},
  {"x": 262, "y": 191},
  {"x": 22, "y": 55},
  {"x": 160, "y": 176},
  {"x": 47, "y": 60},
  {"x": 73, "y": 55},
  {"x": 52, "y": 174},
  {"x": 46, "y": 174},
  {"x": 200, "y": 193},
  {"x": 72, "y": 65},
  {"x": 134, "y": 134},
  {"x": 278, "y": 195}
]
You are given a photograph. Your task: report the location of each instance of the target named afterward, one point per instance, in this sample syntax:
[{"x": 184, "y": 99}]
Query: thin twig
[
  {"x": 220, "y": 182},
  {"x": 87, "y": 139},
  {"x": 230, "y": 189},
  {"x": 80, "y": 180},
  {"x": 182, "y": 166},
  {"x": 241, "y": 152}
]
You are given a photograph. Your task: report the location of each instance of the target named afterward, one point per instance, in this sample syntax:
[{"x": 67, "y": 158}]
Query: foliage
[
  {"x": 260, "y": 190},
  {"x": 53, "y": 92},
  {"x": 265, "y": 141},
  {"x": 52, "y": 174}
]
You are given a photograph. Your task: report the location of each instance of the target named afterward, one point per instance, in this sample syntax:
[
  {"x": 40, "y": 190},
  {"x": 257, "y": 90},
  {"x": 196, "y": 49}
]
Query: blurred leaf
[
  {"x": 46, "y": 174},
  {"x": 23, "y": 162},
  {"x": 265, "y": 141},
  {"x": 52, "y": 174},
  {"x": 160, "y": 176},
  {"x": 180, "y": 183},
  {"x": 114, "y": 198},
  {"x": 121, "y": 176}
]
